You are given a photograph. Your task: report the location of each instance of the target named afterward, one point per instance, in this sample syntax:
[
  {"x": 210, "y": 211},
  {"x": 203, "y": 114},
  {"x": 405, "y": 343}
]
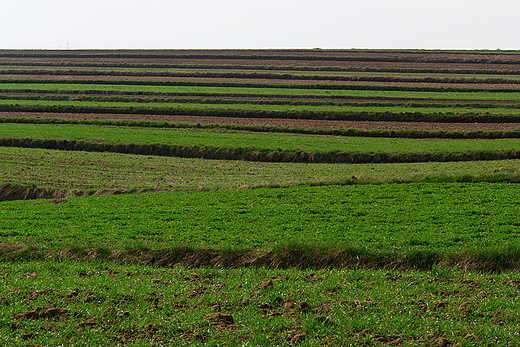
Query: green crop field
[
  {"x": 107, "y": 304},
  {"x": 257, "y": 90},
  {"x": 117, "y": 229},
  {"x": 87, "y": 171},
  {"x": 178, "y": 108},
  {"x": 442, "y": 217},
  {"x": 254, "y": 140}
]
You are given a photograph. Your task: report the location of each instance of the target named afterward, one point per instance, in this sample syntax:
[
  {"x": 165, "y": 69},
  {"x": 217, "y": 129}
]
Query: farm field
[
  {"x": 263, "y": 307},
  {"x": 335, "y": 147},
  {"x": 78, "y": 171},
  {"x": 403, "y": 218},
  {"x": 259, "y": 197}
]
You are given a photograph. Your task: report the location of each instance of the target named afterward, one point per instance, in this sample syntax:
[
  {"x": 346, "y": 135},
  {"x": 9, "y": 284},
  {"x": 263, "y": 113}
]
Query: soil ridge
[{"x": 10, "y": 192}]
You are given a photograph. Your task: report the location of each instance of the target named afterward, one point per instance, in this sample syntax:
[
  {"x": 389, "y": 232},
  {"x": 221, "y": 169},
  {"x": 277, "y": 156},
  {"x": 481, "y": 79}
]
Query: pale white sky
[{"x": 184, "y": 24}]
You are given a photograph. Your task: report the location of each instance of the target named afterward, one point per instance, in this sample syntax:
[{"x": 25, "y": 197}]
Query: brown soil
[
  {"x": 296, "y": 123},
  {"x": 316, "y": 63}
]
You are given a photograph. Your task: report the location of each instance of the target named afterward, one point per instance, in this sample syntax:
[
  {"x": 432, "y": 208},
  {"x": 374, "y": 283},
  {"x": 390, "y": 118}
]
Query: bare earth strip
[
  {"x": 293, "y": 123},
  {"x": 286, "y": 62},
  {"x": 260, "y": 81}
]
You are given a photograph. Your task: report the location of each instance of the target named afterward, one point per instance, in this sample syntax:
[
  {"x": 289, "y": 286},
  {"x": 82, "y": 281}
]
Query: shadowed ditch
[
  {"x": 9, "y": 192},
  {"x": 302, "y": 257}
]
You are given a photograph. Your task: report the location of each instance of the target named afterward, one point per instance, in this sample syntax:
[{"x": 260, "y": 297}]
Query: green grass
[
  {"x": 294, "y": 109},
  {"x": 350, "y": 132},
  {"x": 376, "y": 106},
  {"x": 444, "y": 218},
  {"x": 495, "y": 95},
  {"x": 144, "y": 306},
  {"x": 255, "y": 141},
  {"x": 94, "y": 171}
]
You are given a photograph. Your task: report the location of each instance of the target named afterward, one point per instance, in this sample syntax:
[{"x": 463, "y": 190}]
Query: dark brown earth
[
  {"x": 261, "y": 81},
  {"x": 438, "y": 59},
  {"x": 296, "y": 123},
  {"x": 314, "y": 63}
]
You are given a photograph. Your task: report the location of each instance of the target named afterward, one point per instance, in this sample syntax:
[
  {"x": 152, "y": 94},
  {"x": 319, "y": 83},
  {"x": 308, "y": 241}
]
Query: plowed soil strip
[
  {"x": 260, "y": 75},
  {"x": 283, "y": 62},
  {"x": 292, "y": 123}
]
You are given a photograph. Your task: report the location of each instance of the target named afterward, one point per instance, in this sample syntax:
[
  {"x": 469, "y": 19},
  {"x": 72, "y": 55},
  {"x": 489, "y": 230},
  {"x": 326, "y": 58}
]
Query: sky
[{"x": 259, "y": 24}]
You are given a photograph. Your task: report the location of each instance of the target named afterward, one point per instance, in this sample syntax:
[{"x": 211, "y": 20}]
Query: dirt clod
[
  {"x": 466, "y": 305},
  {"x": 265, "y": 305},
  {"x": 199, "y": 337},
  {"x": 108, "y": 311},
  {"x": 89, "y": 298},
  {"x": 304, "y": 306},
  {"x": 297, "y": 338},
  {"x": 440, "y": 305},
  {"x": 27, "y": 336},
  {"x": 35, "y": 294},
  {"x": 72, "y": 294},
  {"x": 216, "y": 308},
  {"x": 53, "y": 312},
  {"x": 443, "y": 342},
  {"x": 27, "y": 315},
  {"x": 288, "y": 305},
  {"x": 267, "y": 285},
  {"x": 313, "y": 277},
  {"x": 221, "y": 318},
  {"x": 88, "y": 323},
  {"x": 385, "y": 339},
  {"x": 124, "y": 314}
]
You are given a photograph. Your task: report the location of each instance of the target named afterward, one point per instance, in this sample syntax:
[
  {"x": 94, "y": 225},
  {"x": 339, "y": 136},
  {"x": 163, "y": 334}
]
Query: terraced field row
[
  {"x": 184, "y": 83},
  {"x": 431, "y": 90}
]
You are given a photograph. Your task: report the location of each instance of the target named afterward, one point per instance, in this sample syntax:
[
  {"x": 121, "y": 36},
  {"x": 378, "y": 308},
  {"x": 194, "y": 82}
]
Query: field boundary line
[{"x": 253, "y": 154}]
